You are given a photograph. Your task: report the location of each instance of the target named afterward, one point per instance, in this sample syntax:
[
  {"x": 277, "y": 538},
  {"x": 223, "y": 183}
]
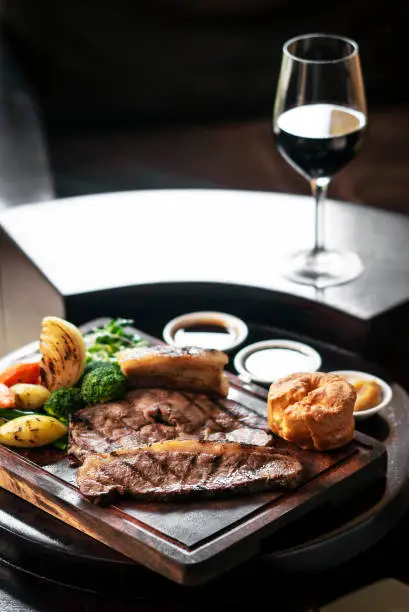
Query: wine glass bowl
[{"x": 319, "y": 122}]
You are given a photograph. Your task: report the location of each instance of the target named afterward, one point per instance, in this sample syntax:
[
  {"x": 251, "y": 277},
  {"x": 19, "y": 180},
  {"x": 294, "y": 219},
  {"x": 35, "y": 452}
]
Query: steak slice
[
  {"x": 147, "y": 416},
  {"x": 180, "y": 469},
  {"x": 187, "y": 368}
]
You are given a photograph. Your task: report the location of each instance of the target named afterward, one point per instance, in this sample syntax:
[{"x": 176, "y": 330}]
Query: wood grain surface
[{"x": 197, "y": 541}]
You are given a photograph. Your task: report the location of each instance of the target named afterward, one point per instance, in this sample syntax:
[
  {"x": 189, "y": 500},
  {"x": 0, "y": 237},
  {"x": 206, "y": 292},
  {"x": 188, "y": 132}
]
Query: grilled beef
[
  {"x": 190, "y": 368},
  {"x": 179, "y": 469},
  {"x": 146, "y": 416}
]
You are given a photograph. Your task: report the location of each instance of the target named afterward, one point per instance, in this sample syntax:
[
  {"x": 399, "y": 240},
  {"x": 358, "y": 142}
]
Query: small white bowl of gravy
[
  {"x": 268, "y": 360},
  {"x": 206, "y": 329},
  {"x": 373, "y": 393}
]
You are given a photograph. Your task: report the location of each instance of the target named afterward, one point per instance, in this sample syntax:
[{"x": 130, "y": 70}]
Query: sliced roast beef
[
  {"x": 146, "y": 416},
  {"x": 179, "y": 469}
]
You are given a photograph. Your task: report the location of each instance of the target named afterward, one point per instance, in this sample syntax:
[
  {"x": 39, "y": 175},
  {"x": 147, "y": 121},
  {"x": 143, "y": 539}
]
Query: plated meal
[
  {"x": 155, "y": 422},
  {"x": 162, "y": 454}
]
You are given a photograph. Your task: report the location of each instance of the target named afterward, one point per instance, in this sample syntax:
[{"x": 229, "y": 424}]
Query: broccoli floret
[
  {"x": 64, "y": 402},
  {"x": 104, "y": 384},
  {"x": 92, "y": 365}
]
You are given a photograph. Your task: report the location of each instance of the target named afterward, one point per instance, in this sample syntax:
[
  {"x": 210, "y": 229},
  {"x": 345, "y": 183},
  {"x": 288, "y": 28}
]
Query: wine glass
[{"x": 319, "y": 121}]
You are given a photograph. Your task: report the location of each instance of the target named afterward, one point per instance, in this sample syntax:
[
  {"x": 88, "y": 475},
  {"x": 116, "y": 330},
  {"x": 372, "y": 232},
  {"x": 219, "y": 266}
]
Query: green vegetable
[
  {"x": 14, "y": 414},
  {"x": 105, "y": 342},
  {"x": 93, "y": 365},
  {"x": 64, "y": 402},
  {"x": 103, "y": 385},
  {"x": 61, "y": 443}
]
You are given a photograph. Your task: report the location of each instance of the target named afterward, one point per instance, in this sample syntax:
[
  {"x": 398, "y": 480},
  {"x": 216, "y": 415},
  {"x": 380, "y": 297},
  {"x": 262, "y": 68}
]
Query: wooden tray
[{"x": 191, "y": 543}]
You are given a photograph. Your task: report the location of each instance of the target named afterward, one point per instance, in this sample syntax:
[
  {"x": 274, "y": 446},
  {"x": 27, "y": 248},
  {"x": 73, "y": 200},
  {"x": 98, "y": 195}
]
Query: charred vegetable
[
  {"x": 32, "y": 430},
  {"x": 63, "y": 353},
  {"x": 29, "y": 397},
  {"x": 21, "y": 373}
]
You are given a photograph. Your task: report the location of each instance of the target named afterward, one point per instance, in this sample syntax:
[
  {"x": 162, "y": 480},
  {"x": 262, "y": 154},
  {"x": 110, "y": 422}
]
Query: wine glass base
[{"x": 323, "y": 268}]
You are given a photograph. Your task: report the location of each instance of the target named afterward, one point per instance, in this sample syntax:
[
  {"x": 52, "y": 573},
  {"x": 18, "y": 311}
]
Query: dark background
[
  {"x": 133, "y": 95},
  {"x": 99, "y": 95}
]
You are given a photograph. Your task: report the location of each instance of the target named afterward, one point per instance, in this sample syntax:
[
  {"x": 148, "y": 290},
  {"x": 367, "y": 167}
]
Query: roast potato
[
  {"x": 32, "y": 430},
  {"x": 29, "y": 397}
]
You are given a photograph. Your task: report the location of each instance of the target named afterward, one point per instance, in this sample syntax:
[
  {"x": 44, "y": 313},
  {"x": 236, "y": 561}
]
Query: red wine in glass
[
  {"x": 319, "y": 123},
  {"x": 320, "y": 139}
]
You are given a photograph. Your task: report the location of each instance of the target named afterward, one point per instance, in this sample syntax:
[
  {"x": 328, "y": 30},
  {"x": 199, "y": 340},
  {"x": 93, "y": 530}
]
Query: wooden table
[
  {"x": 21, "y": 592},
  {"x": 71, "y": 256},
  {"x": 212, "y": 250}
]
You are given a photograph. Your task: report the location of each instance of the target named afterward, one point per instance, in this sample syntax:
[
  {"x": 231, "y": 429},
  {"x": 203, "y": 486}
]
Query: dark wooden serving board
[{"x": 193, "y": 542}]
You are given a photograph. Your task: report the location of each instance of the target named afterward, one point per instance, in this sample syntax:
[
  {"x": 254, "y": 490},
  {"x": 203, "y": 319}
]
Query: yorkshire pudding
[{"x": 314, "y": 410}]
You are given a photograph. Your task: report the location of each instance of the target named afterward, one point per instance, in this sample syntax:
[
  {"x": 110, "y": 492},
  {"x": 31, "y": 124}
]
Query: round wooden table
[
  {"x": 73, "y": 255},
  {"x": 152, "y": 255}
]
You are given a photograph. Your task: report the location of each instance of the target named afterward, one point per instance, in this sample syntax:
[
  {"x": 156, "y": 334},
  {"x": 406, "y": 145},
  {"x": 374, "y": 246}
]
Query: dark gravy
[{"x": 205, "y": 335}]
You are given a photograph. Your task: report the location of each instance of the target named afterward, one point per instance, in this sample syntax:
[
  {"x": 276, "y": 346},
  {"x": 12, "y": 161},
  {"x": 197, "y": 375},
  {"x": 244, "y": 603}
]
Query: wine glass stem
[{"x": 319, "y": 189}]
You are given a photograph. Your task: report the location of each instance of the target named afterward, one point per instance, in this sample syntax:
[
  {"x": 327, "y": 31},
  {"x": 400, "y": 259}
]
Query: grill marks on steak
[
  {"x": 162, "y": 445},
  {"x": 178, "y": 469},
  {"x": 147, "y": 416}
]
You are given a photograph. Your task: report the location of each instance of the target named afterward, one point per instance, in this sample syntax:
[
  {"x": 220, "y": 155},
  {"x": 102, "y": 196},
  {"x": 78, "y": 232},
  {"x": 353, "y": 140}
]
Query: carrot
[
  {"x": 6, "y": 397},
  {"x": 20, "y": 373}
]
